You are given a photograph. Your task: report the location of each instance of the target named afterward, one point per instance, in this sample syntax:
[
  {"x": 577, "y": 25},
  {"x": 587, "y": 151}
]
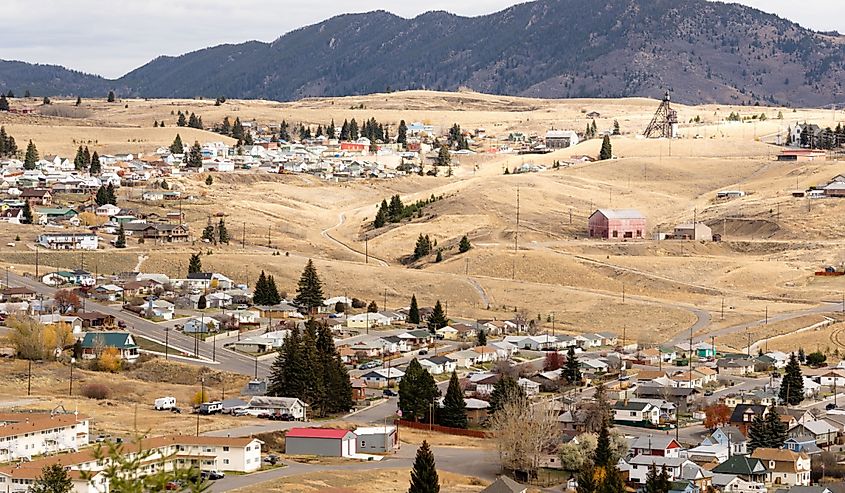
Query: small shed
[
  {"x": 690, "y": 231},
  {"x": 324, "y": 442},
  {"x": 376, "y": 439}
]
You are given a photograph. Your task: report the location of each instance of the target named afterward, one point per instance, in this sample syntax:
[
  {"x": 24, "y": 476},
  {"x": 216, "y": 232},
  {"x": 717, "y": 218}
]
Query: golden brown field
[{"x": 772, "y": 241}]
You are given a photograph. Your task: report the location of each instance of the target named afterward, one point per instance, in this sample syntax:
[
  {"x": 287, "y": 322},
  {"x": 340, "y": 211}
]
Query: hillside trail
[
  {"x": 141, "y": 259},
  {"x": 341, "y": 219}
]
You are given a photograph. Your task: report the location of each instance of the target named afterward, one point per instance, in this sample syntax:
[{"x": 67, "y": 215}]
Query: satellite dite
[{"x": 665, "y": 122}]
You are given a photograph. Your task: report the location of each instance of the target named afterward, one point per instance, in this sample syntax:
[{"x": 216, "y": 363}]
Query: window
[
  {"x": 226, "y": 449},
  {"x": 225, "y": 461}
]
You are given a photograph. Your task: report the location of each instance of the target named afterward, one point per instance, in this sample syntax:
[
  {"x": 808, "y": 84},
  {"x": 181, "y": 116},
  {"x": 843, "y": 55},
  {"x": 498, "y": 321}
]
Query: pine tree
[
  {"x": 482, "y": 337},
  {"x": 758, "y": 434},
  {"x": 657, "y": 482},
  {"x": 330, "y": 130},
  {"x": 402, "y": 133},
  {"x": 110, "y": 97},
  {"x": 195, "y": 156},
  {"x": 288, "y": 368},
  {"x": 181, "y": 122},
  {"x": 222, "y": 232},
  {"x": 202, "y": 302},
  {"x": 78, "y": 100},
  {"x": 353, "y": 130},
  {"x": 111, "y": 196},
  {"x": 208, "y": 232},
  {"x": 344, "y": 130},
  {"x": 27, "y": 213},
  {"x": 437, "y": 318},
  {"x": 417, "y": 391},
  {"x": 504, "y": 391},
  {"x": 443, "y": 157},
  {"x": 422, "y": 247},
  {"x": 424, "y": 477},
  {"x": 53, "y": 479},
  {"x": 225, "y": 127},
  {"x": 31, "y": 156},
  {"x": 439, "y": 257},
  {"x": 95, "y": 167},
  {"x": 372, "y": 307},
  {"x": 414, "y": 311},
  {"x": 120, "y": 242},
  {"x": 381, "y": 216},
  {"x": 238, "y": 129},
  {"x": 260, "y": 293},
  {"x": 572, "y": 370},
  {"x": 309, "y": 291},
  {"x": 87, "y": 155},
  {"x": 776, "y": 430},
  {"x": 284, "y": 133},
  {"x": 79, "y": 160},
  {"x": 792, "y": 385},
  {"x": 176, "y": 147},
  {"x": 195, "y": 264},
  {"x": 102, "y": 196},
  {"x": 273, "y": 296},
  {"x": 336, "y": 383},
  {"x": 606, "y": 149},
  {"x": 209, "y": 180},
  {"x": 616, "y": 128},
  {"x": 453, "y": 413},
  {"x": 312, "y": 376},
  {"x": 4, "y": 103},
  {"x": 192, "y": 121},
  {"x": 464, "y": 245}
]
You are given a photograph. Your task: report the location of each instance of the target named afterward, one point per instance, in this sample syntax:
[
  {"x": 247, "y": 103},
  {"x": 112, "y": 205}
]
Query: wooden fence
[{"x": 442, "y": 429}]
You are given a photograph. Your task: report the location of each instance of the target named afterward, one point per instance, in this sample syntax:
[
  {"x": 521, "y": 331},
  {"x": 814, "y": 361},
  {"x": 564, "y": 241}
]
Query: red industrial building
[{"x": 617, "y": 224}]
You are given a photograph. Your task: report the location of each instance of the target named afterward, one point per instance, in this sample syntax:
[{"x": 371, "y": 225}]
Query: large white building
[
  {"x": 69, "y": 241},
  {"x": 167, "y": 453},
  {"x": 23, "y": 436}
]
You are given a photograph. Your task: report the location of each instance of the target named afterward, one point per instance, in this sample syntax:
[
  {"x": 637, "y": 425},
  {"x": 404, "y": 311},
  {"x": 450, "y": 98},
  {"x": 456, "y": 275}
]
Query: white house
[
  {"x": 642, "y": 464},
  {"x": 278, "y": 405},
  {"x": 437, "y": 365},
  {"x": 364, "y": 320},
  {"x": 107, "y": 210},
  {"x": 69, "y": 241},
  {"x": 160, "y": 309},
  {"x": 383, "y": 377},
  {"x": 636, "y": 412}
]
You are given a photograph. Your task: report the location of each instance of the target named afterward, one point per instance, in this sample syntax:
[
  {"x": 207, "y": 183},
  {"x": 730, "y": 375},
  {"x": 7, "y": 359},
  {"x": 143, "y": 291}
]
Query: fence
[{"x": 442, "y": 429}]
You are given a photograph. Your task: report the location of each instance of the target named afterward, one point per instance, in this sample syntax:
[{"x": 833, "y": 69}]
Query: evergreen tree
[
  {"x": 482, "y": 337},
  {"x": 238, "y": 129},
  {"x": 312, "y": 376},
  {"x": 792, "y": 385},
  {"x": 79, "y": 160},
  {"x": 453, "y": 413},
  {"x": 222, "y": 232},
  {"x": 603, "y": 456},
  {"x": 95, "y": 167},
  {"x": 381, "y": 215},
  {"x": 208, "y": 232},
  {"x": 606, "y": 149},
  {"x": 4, "y": 103},
  {"x": 209, "y": 180},
  {"x": 176, "y": 147},
  {"x": 572, "y": 370},
  {"x": 464, "y": 245},
  {"x": 27, "y": 213},
  {"x": 443, "y": 157},
  {"x": 226, "y": 127},
  {"x": 439, "y": 257},
  {"x": 319, "y": 131},
  {"x": 284, "y": 132},
  {"x": 202, "y": 302},
  {"x": 801, "y": 356},
  {"x": 336, "y": 383},
  {"x": 417, "y": 392},
  {"x": 504, "y": 391},
  {"x": 373, "y": 307},
  {"x": 344, "y": 130},
  {"x": 195, "y": 264},
  {"x": 120, "y": 242},
  {"x": 181, "y": 122},
  {"x": 10, "y": 94},
  {"x": 424, "y": 474},
  {"x": 309, "y": 291},
  {"x": 395, "y": 209},
  {"x": 102, "y": 197},
  {"x": 758, "y": 434},
  {"x": 422, "y": 248},
  {"x": 777, "y": 430},
  {"x": 195, "y": 156},
  {"x": 273, "y": 296},
  {"x": 110, "y": 97},
  {"x": 31, "y": 156},
  {"x": 192, "y": 121},
  {"x": 353, "y": 130},
  {"x": 414, "y": 311},
  {"x": 657, "y": 482},
  {"x": 286, "y": 373},
  {"x": 437, "y": 318},
  {"x": 402, "y": 133},
  {"x": 111, "y": 196},
  {"x": 616, "y": 128},
  {"x": 53, "y": 479},
  {"x": 331, "y": 132},
  {"x": 78, "y": 100},
  {"x": 87, "y": 155},
  {"x": 260, "y": 294}
]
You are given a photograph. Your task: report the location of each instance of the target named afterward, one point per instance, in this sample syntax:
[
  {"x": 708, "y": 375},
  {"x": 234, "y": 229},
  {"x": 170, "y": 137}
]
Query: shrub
[
  {"x": 96, "y": 390},
  {"x": 109, "y": 360}
]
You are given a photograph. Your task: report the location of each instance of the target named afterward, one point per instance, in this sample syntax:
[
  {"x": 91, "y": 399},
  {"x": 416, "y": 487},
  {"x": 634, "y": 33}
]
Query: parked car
[
  {"x": 175, "y": 410},
  {"x": 173, "y": 486},
  {"x": 271, "y": 459},
  {"x": 830, "y": 406},
  {"x": 423, "y": 352},
  {"x": 121, "y": 324},
  {"x": 389, "y": 393},
  {"x": 212, "y": 475},
  {"x": 708, "y": 393}
]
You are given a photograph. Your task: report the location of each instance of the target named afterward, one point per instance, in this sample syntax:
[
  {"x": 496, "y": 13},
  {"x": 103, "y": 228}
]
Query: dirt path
[
  {"x": 141, "y": 259},
  {"x": 485, "y": 298},
  {"x": 341, "y": 218}
]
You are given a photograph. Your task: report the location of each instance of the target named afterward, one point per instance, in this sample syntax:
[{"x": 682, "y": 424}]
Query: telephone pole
[
  {"x": 515, "y": 237},
  {"x": 243, "y": 237}
]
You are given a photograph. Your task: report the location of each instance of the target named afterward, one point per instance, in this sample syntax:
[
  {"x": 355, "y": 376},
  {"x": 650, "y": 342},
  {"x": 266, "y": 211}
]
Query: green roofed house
[
  {"x": 95, "y": 342},
  {"x": 504, "y": 485},
  {"x": 747, "y": 468},
  {"x": 56, "y": 215}
]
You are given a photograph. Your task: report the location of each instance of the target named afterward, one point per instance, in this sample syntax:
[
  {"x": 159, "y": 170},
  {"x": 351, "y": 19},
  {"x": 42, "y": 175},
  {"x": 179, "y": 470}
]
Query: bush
[
  {"x": 356, "y": 303},
  {"x": 109, "y": 360},
  {"x": 96, "y": 390}
]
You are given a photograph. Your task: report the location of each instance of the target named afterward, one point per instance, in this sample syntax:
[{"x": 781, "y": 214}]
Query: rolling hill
[{"x": 703, "y": 51}]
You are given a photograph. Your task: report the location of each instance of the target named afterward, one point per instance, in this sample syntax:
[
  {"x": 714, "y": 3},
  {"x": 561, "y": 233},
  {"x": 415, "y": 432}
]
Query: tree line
[
  {"x": 216, "y": 235},
  {"x": 395, "y": 211},
  {"x": 106, "y": 195},
  {"x": 192, "y": 121},
  {"x": 85, "y": 160}
]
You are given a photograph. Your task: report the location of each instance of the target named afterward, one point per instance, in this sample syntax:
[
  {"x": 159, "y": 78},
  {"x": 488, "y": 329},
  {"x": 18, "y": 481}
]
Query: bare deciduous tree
[{"x": 523, "y": 433}]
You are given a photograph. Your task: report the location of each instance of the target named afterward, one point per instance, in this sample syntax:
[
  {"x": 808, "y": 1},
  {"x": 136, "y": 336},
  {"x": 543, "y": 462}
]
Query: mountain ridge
[{"x": 702, "y": 51}]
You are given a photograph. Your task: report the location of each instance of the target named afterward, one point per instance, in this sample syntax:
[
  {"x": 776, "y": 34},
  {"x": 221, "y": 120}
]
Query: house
[
  {"x": 561, "y": 139},
  {"x": 729, "y": 436},
  {"x": 484, "y": 386},
  {"x": 37, "y": 196},
  {"x": 159, "y": 309},
  {"x": 12, "y": 215},
  {"x": 697, "y": 231},
  {"x": 784, "y": 466},
  {"x": 746, "y": 467},
  {"x": 278, "y": 405},
  {"x": 70, "y": 323},
  {"x": 202, "y": 325},
  {"x": 376, "y": 439},
  {"x": 323, "y": 442},
  {"x": 821, "y": 432},
  {"x": 107, "y": 210},
  {"x": 15, "y": 294},
  {"x": 77, "y": 278},
  {"x": 504, "y": 484},
  {"x": 108, "y": 292},
  {"x": 158, "y": 232},
  {"x": 744, "y": 414},
  {"x": 735, "y": 366},
  {"x": 731, "y": 483},
  {"x": 476, "y": 411},
  {"x": 530, "y": 387},
  {"x": 94, "y": 343},
  {"x": 655, "y": 445},
  {"x": 383, "y": 377},
  {"x": 640, "y": 465},
  {"x": 437, "y": 365},
  {"x": 96, "y": 320},
  {"x": 802, "y": 444},
  {"x": 617, "y": 224},
  {"x": 636, "y": 413},
  {"x": 367, "y": 320},
  {"x": 68, "y": 241},
  {"x": 448, "y": 333}
]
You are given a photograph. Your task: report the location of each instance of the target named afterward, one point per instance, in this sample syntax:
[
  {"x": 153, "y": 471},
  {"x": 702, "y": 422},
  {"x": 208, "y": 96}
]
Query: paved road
[{"x": 211, "y": 354}]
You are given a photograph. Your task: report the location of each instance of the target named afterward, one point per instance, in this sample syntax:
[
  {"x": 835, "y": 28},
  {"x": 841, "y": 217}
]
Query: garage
[{"x": 324, "y": 442}]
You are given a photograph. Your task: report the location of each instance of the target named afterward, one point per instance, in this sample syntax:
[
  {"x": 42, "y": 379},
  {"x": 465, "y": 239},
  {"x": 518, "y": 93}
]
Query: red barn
[{"x": 617, "y": 224}]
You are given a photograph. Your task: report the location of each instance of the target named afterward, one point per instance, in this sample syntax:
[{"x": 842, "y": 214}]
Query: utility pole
[
  {"x": 384, "y": 306},
  {"x": 36, "y": 261},
  {"x": 723, "y": 307},
  {"x": 366, "y": 249},
  {"x": 243, "y": 237},
  {"x": 515, "y": 237},
  {"x": 268, "y": 236},
  {"x": 166, "y": 342},
  {"x": 202, "y": 401},
  {"x": 29, "y": 379},
  {"x": 623, "y": 293}
]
